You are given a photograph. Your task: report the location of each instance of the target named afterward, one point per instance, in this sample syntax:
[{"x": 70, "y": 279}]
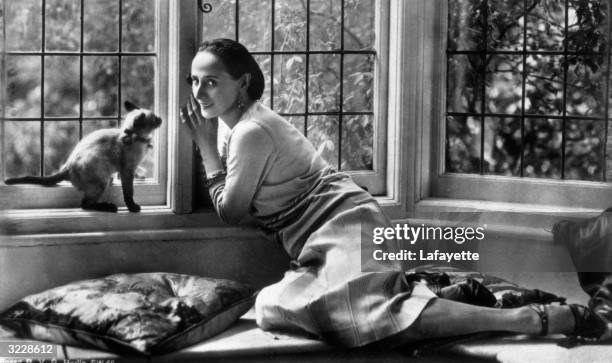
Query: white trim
[
  {"x": 243, "y": 233},
  {"x": 374, "y": 180},
  {"x": 513, "y": 216},
  {"x": 231, "y": 234},
  {"x": 396, "y": 160},
  {"x": 72, "y": 220},
  {"x": 409, "y": 104},
  {"x": 182, "y": 38},
  {"x": 525, "y": 190}
]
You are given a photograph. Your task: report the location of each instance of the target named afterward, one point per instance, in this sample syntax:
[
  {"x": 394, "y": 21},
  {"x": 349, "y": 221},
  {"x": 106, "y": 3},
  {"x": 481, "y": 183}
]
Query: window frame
[
  {"x": 372, "y": 180},
  {"x": 399, "y": 143},
  {"x": 147, "y": 193},
  {"x": 500, "y": 191}
]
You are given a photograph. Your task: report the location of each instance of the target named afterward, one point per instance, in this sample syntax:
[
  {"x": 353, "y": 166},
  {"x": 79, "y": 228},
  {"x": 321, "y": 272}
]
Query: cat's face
[{"x": 141, "y": 121}]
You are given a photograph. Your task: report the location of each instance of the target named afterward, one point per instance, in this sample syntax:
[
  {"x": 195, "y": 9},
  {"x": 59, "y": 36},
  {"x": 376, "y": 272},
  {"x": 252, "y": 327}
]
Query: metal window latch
[{"x": 204, "y": 7}]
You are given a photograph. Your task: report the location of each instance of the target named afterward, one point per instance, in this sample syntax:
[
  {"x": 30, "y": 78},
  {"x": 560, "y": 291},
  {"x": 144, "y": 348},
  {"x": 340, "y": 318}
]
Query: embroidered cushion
[{"x": 148, "y": 313}]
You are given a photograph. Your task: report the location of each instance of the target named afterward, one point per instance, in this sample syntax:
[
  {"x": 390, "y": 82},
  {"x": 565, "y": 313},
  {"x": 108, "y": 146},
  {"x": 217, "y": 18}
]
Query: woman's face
[{"x": 213, "y": 88}]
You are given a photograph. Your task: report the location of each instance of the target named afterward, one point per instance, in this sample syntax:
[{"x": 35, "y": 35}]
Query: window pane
[
  {"x": 357, "y": 142},
  {"x": 323, "y": 133},
  {"x": 2, "y": 37},
  {"x": 502, "y": 147},
  {"x": 290, "y": 25},
  {"x": 147, "y": 169},
  {"x": 562, "y": 74},
  {"x": 63, "y": 25},
  {"x": 264, "y": 64},
  {"x": 463, "y": 144},
  {"x": 60, "y": 139},
  {"x": 23, "y": 25},
  {"x": 22, "y": 148},
  {"x": 324, "y": 83},
  {"x": 138, "y": 81},
  {"x": 138, "y": 25},
  {"x": 464, "y": 82},
  {"x": 101, "y": 25},
  {"x": 359, "y": 24},
  {"x": 505, "y": 25},
  {"x": 289, "y": 86},
  {"x": 587, "y": 25},
  {"x": 100, "y": 81},
  {"x": 504, "y": 84},
  {"x": 90, "y": 126},
  {"x": 61, "y": 86},
  {"x": 465, "y": 25},
  {"x": 2, "y": 74},
  {"x": 221, "y": 21},
  {"x": 546, "y": 25},
  {"x": 358, "y": 82},
  {"x": 586, "y": 78},
  {"x": 325, "y": 26},
  {"x": 584, "y": 149},
  {"x": 544, "y": 87},
  {"x": 543, "y": 148},
  {"x": 23, "y": 86},
  {"x": 608, "y": 152},
  {"x": 256, "y": 25}
]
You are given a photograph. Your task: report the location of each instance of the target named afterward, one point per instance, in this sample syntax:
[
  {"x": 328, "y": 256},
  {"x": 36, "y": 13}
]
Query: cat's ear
[{"x": 130, "y": 106}]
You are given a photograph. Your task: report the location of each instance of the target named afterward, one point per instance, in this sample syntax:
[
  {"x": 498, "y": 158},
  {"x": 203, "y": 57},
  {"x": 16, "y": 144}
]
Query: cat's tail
[{"x": 47, "y": 181}]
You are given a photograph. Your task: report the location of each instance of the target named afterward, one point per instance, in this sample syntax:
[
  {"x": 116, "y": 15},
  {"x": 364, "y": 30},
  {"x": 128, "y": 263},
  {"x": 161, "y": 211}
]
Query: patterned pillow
[{"x": 148, "y": 313}]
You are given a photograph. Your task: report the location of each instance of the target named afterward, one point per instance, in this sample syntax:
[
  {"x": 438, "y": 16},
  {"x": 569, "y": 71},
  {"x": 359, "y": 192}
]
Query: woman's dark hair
[{"x": 237, "y": 61}]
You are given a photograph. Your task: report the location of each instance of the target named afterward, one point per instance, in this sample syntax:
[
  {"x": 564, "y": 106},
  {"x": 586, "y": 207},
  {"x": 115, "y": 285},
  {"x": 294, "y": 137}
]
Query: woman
[{"x": 268, "y": 170}]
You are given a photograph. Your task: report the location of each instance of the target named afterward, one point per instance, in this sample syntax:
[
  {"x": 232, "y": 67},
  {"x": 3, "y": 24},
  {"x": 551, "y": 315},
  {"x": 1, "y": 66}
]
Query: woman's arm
[
  {"x": 204, "y": 134},
  {"x": 250, "y": 151},
  {"x": 250, "y": 148}
]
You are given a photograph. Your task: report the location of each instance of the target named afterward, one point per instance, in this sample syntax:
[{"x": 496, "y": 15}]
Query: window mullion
[
  {"x": 341, "y": 100},
  {"x": 523, "y": 91},
  {"x": 82, "y": 16},
  {"x": 607, "y": 100},
  {"x": 307, "y": 71},
  {"x": 272, "y": 46},
  {"x": 119, "y": 63},
  {"x": 42, "y": 91},
  {"x": 564, "y": 111}
]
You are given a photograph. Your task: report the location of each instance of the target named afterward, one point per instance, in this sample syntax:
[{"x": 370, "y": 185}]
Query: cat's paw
[{"x": 134, "y": 208}]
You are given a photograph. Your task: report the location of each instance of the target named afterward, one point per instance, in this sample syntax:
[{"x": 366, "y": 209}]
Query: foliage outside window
[
  {"x": 318, "y": 59},
  {"x": 67, "y": 67},
  {"x": 528, "y": 89}
]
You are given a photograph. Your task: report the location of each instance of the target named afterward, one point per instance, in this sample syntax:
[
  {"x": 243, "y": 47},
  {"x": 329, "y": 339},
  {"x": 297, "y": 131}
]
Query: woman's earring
[{"x": 240, "y": 104}]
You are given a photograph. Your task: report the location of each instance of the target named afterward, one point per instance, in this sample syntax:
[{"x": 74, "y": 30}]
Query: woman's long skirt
[{"x": 334, "y": 289}]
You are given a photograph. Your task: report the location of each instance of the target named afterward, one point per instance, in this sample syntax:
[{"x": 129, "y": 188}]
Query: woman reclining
[{"x": 268, "y": 170}]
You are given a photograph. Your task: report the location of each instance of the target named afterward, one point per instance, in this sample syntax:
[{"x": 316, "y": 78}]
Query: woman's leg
[{"x": 443, "y": 318}]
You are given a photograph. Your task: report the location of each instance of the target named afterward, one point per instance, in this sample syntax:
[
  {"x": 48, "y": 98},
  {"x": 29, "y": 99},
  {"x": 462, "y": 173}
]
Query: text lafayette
[{"x": 405, "y": 255}]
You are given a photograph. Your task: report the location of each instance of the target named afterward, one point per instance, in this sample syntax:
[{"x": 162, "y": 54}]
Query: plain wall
[{"x": 31, "y": 269}]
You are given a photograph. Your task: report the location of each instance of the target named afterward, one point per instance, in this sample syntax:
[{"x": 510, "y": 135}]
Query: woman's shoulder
[
  {"x": 261, "y": 115},
  {"x": 252, "y": 131},
  {"x": 260, "y": 120}
]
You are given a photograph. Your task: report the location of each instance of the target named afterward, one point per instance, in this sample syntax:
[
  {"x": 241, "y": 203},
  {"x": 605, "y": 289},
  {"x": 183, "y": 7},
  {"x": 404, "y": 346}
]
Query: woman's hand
[
  {"x": 204, "y": 134},
  {"x": 203, "y": 130}
]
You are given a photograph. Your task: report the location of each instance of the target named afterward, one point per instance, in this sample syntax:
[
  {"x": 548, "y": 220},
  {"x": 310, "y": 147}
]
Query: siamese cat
[{"x": 99, "y": 155}]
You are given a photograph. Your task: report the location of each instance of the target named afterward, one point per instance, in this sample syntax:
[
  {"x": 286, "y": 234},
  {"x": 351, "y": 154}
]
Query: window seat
[{"x": 245, "y": 342}]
